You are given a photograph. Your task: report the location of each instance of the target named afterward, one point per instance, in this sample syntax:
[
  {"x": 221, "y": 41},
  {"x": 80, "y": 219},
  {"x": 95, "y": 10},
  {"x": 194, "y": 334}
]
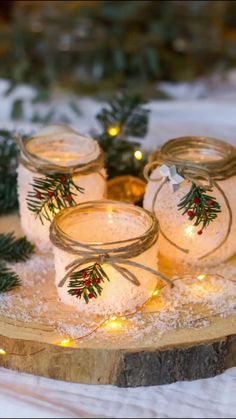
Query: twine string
[
  {"x": 229, "y": 227},
  {"x": 117, "y": 256},
  {"x": 39, "y": 165}
]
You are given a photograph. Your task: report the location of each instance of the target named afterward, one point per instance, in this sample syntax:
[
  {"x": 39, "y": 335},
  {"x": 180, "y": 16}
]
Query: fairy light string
[{"x": 67, "y": 342}]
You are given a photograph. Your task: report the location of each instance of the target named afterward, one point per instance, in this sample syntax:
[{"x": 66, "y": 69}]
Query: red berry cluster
[
  {"x": 50, "y": 194},
  {"x": 87, "y": 283},
  {"x": 191, "y": 214}
]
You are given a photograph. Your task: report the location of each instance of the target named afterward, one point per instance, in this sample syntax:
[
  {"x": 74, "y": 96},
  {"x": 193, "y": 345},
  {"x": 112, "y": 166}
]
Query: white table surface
[{"x": 26, "y": 396}]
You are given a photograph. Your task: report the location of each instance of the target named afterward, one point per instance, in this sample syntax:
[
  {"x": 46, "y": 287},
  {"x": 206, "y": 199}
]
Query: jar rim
[
  {"x": 150, "y": 234},
  {"x": 91, "y": 159},
  {"x": 60, "y": 141},
  {"x": 172, "y": 152},
  {"x": 178, "y": 145}
]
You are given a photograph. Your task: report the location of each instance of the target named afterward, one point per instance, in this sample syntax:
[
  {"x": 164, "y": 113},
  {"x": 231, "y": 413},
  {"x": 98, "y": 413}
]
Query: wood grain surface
[{"x": 120, "y": 359}]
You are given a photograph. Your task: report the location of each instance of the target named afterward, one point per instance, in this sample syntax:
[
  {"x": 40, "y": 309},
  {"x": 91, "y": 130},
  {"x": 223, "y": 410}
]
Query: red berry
[
  {"x": 190, "y": 214},
  {"x": 87, "y": 283},
  {"x": 200, "y": 232},
  {"x": 69, "y": 197},
  {"x": 38, "y": 195},
  {"x": 50, "y": 194},
  {"x": 85, "y": 274},
  {"x": 210, "y": 202},
  {"x": 62, "y": 179},
  {"x": 97, "y": 280},
  {"x": 196, "y": 200},
  {"x": 90, "y": 295}
]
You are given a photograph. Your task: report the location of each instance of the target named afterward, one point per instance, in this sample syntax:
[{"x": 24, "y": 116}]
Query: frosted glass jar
[
  {"x": 218, "y": 160},
  {"x": 65, "y": 151},
  {"x": 106, "y": 228}
]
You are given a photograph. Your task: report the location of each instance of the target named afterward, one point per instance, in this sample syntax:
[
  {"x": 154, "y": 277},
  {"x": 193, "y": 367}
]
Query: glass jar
[
  {"x": 119, "y": 237},
  {"x": 202, "y": 161},
  {"x": 57, "y": 150}
]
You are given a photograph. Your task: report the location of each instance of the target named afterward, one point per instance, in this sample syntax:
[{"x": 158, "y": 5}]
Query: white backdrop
[{"x": 27, "y": 396}]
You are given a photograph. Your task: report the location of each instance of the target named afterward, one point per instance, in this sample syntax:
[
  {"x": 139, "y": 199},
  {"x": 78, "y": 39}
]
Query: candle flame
[
  {"x": 110, "y": 214},
  {"x": 189, "y": 231}
]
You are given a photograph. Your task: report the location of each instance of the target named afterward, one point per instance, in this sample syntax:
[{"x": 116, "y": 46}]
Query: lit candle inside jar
[
  {"x": 185, "y": 238},
  {"x": 56, "y": 150},
  {"x": 107, "y": 245}
]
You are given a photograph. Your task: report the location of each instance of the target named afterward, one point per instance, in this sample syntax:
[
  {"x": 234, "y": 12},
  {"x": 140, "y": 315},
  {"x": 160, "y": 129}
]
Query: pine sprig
[
  {"x": 50, "y": 194},
  {"x": 124, "y": 117},
  {"x": 126, "y": 113},
  {"x": 14, "y": 250},
  {"x": 8, "y": 163},
  {"x": 86, "y": 282},
  {"x": 8, "y": 279},
  {"x": 199, "y": 206}
]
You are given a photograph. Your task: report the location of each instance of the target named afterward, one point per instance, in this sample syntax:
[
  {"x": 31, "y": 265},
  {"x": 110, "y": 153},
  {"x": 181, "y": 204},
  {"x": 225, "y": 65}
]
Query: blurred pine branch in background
[{"x": 97, "y": 46}]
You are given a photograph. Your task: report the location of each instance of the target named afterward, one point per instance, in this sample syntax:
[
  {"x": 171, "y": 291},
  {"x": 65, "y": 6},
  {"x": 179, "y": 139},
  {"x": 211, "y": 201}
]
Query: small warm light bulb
[
  {"x": 2, "y": 352},
  {"x": 201, "y": 277},
  {"x": 113, "y": 323},
  {"x": 113, "y": 131},
  {"x": 138, "y": 155},
  {"x": 65, "y": 342},
  {"x": 156, "y": 292}
]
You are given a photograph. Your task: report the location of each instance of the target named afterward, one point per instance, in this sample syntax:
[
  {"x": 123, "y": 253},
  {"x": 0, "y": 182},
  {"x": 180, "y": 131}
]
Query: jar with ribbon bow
[
  {"x": 192, "y": 190},
  {"x": 105, "y": 257},
  {"x": 58, "y": 168}
]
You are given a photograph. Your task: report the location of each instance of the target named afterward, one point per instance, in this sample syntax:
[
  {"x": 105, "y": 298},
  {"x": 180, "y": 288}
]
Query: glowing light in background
[
  {"x": 2, "y": 352},
  {"x": 113, "y": 131},
  {"x": 138, "y": 155}
]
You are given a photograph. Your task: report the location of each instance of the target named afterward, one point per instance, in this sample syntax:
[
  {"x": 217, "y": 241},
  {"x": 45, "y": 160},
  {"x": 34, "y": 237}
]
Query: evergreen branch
[
  {"x": 8, "y": 279},
  {"x": 86, "y": 282},
  {"x": 14, "y": 250},
  {"x": 199, "y": 206},
  {"x": 50, "y": 194},
  {"x": 8, "y": 163},
  {"x": 126, "y": 113},
  {"x": 124, "y": 117}
]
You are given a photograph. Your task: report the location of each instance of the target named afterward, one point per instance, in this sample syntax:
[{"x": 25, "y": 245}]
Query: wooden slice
[{"x": 112, "y": 355}]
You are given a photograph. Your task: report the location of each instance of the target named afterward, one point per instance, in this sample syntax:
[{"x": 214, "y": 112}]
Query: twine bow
[
  {"x": 118, "y": 255},
  {"x": 205, "y": 174},
  {"x": 116, "y": 263},
  {"x": 172, "y": 175}
]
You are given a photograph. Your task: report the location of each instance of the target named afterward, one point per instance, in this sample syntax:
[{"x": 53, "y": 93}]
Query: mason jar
[
  {"x": 105, "y": 257},
  {"x": 59, "y": 153},
  {"x": 172, "y": 171}
]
